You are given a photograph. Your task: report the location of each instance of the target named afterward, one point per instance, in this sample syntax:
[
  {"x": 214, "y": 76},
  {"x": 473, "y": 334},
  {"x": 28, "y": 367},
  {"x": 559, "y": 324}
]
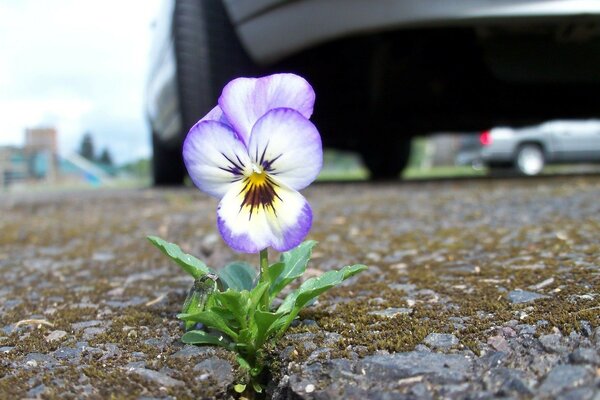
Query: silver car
[
  {"x": 529, "y": 149},
  {"x": 384, "y": 71}
]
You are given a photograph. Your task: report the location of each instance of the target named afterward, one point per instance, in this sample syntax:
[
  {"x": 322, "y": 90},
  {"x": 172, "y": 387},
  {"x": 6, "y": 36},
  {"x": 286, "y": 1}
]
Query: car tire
[
  {"x": 529, "y": 159},
  {"x": 208, "y": 55},
  {"x": 167, "y": 163}
]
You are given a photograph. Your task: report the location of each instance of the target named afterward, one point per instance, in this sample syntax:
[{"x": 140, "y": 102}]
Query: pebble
[
  {"x": 90, "y": 333},
  {"x": 564, "y": 377},
  {"x": 552, "y": 343},
  {"x": 220, "y": 370},
  {"x": 507, "y": 381},
  {"x": 585, "y": 356},
  {"x": 392, "y": 312},
  {"x": 77, "y": 326},
  {"x": 189, "y": 351},
  {"x": 132, "y": 302},
  {"x": 523, "y": 296},
  {"x": 441, "y": 340},
  {"x": 55, "y": 336},
  {"x": 444, "y": 367},
  {"x": 156, "y": 377},
  {"x": 526, "y": 329},
  {"x": 160, "y": 343},
  {"x": 499, "y": 343},
  {"x": 34, "y": 360},
  {"x": 37, "y": 392},
  {"x": 70, "y": 354}
]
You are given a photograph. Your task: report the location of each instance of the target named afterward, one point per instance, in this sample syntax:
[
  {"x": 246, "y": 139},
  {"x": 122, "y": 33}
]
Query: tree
[
  {"x": 105, "y": 157},
  {"x": 86, "y": 149}
]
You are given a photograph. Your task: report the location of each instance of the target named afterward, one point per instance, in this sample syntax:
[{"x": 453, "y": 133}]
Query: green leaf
[
  {"x": 236, "y": 303},
  {"x": 256, "y": 295},
  {"x": 275, "y": 270},
  {"x": 264, "y": 321},
  {"x": 315, "y": 286},
  {"x": 239, "y": 388},
  {"x": 201, "y": 337},
  {"x": 288, "y": 303},
  {"x": 255, "y": 385},
  {"x": 189, "y": 263},
  {"x": 242, "y": 361},
  {"x": 212, "y": 320},
  {"x": 238, "y": 276},
  {"x": 351, "y": 270},
  {"x": 310, "y": 289},
  {"x": 295, "y": 262}
]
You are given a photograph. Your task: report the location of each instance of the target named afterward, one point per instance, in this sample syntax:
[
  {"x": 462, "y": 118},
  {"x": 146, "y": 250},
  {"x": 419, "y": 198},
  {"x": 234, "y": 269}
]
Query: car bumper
[{"x": 273, "y": 29}]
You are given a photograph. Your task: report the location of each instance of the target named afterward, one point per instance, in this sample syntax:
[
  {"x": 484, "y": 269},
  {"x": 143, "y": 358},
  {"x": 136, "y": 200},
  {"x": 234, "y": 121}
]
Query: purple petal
[
  {"x": 214, "y": 157},
  {"x": 281, "y": 225},
  {"x": 245, "y": 100},
  {"x": 288, "y": 146}
]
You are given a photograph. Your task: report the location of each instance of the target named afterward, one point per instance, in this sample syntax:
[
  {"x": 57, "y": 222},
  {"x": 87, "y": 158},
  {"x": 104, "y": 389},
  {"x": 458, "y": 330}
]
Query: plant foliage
[{"x": 235, "y": 306}]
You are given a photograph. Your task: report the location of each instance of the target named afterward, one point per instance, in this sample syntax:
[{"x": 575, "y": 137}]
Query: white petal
[
  {"x": 251, "y": 229},
  {"x": 288, "y": 146},
  {"x": 214, "y": 157}
]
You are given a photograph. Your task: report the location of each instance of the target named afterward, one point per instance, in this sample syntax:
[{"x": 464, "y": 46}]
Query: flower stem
[{"x": 264, "y": 265}]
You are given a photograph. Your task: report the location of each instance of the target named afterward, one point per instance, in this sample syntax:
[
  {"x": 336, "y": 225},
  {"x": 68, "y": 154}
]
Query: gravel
[{"x": 476, "y": 289}]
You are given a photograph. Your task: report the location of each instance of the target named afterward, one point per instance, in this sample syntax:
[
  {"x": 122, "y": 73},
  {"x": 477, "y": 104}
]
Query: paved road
[{"x": 476, "y": 289}]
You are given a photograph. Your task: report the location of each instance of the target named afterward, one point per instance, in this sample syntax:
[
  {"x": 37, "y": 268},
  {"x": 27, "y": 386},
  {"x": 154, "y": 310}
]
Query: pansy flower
[{"x": 254, "y": 151}]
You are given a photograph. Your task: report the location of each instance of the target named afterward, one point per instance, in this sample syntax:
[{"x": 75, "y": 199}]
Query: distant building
[
  {"x": 13, "y": 165},
  {"x": 41, "y": 139},
  {"x": 38, "y": 162},
  {"x": 41, "y": 149}
]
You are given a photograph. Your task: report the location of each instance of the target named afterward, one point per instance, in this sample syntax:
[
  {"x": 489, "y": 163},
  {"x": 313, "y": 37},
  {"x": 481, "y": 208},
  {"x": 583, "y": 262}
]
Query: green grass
[{"x": 448, "y": 171}]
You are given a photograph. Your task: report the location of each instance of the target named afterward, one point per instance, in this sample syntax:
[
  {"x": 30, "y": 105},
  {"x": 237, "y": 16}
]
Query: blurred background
[
  {"x": 101, "y": 94},
  {"x": 72, "y": 78}
]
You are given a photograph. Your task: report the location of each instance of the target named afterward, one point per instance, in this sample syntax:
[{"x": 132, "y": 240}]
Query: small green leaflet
[
  {"x": 201, "y": 337},
  {"x": 312, "y": 288},
  {"x": 294, "y": 264},
  {"x": 238, "y": 276},
  {"x": 189, "y": 263}
]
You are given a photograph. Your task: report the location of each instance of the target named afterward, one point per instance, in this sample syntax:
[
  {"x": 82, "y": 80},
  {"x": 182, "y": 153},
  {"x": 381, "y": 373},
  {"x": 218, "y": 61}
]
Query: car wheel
[
  {"x": 208, "y": 55},
  {"x": 167, "y": 163},
  {"x": 529, "y": 159}
]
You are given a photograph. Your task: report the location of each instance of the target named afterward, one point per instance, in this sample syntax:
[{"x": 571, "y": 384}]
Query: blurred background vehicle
[
  {"x": 384, "y": 71},
  {"x": 529, "y": 149},
  {"x": 469, "y": 150}
]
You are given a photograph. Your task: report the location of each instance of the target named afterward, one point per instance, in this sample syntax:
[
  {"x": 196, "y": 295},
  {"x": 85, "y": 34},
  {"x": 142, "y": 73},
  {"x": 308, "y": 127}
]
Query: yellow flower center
[
  {"x": 257, "y": 178},
  {"x": 259, "y": 191}
]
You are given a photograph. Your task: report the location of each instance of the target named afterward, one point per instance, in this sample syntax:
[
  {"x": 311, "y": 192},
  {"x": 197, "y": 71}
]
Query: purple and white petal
[
  {"x": 214, "y": 157},
  {"x": 245, "y": 100},
  {"x": 250, "y": 227},
  {"x": 216, "y": 114},
  {"x": 288, "y": 146}
]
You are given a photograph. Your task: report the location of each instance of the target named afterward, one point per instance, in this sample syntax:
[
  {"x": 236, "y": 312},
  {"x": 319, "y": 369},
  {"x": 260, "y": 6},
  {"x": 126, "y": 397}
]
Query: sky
[{"x": 79, "y": 66}]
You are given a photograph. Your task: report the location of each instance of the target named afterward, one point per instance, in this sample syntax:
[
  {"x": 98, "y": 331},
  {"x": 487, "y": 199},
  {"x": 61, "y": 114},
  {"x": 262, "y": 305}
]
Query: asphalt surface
[{"x": 476, "y": 289}]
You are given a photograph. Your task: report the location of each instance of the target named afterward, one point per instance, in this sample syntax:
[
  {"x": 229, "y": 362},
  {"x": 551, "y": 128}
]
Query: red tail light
[{"x": 485, "y": 138}]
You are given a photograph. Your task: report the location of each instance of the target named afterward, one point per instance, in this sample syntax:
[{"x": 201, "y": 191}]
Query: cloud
[{"x": 78, "y": 65}]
